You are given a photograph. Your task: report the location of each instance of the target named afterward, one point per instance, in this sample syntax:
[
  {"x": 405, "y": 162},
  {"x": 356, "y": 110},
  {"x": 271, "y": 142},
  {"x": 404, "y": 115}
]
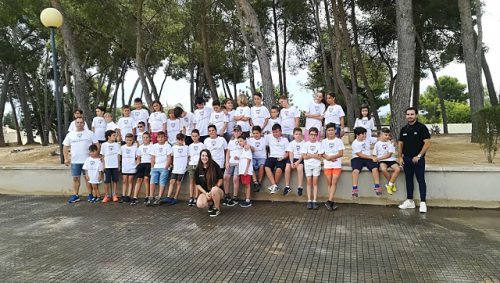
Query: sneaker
[
  {"x": 389, "y": 189},
  {"x": 167, "y": 200},
  {"x": 115, "y": 198},
  {"x": 149, "y": 202},
  {"x": 73, "y": 199},
  {"x": 157, "y": 201},
  {"x": 191, "y": 202},
  {"x": 215, "y": 212},
  {"x": 225, "y": 200},
  {"x": 90, "y": 198},
  {"x": 133, "y": 201},
  {"x": 174, "y": 201},
  {"x": 309, "y": 205},
  {"x": 329, "y": 205},
  {"x": 211, "y": 208},
  {"x": 127, "y": 199},
  {"x": 334, "y": 205},
  {"x": 96, "y": 200},
  {"x": 300, "y": 191},
  {"x": 146, "y": 200},
  {"x": 286, "y": 190},
  {"x": 106, "y": 199},
  {"x": 409, "y": 203},
  {"x": 378, "y": 191},
  {"x": 271, "y": 188},
  {"x": 393, "y": 187},
  {"x": 423, "y": 207},
  {"x": 245, "y": 204},
  {"x": 232, "y": 202},
  {"x": 276, "y": 188},
  {"x": 315, "y": 205},
  {"x": 355, "y": 193}
]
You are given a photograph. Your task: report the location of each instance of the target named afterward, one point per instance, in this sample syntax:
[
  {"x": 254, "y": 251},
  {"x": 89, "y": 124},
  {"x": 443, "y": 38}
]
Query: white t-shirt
[
  {"x": 111, "y": 126},
  {"x": 259, "y": 146},
  {"x": 139, "y": 137},
  {"x": 201, "y": 119},
  {"x": 245, "y": 112},
  {"x": 245, "y": 155},
  {"x": 72, "y": 127},
  {"x": 187, "y": 122},
  {"x": 315, "y": 109},
  {"x": 382, "y": 148},
  {"x": 332, "y": 147},
  {"x": 126, "y": 126},
  {"x": 110, "y": 152},
  {"x": 128, "y": 154},
  {"x": 94, "y": 168},
  {"x": 288, "y": 116},
  {"x": 277, "y": 146},
  {"x": 180, "y": 156},
  {"x": 295, "y": 147},
  {"x": 259, "y": 115},
  {"x": 141, "y": 115},
  {"x": 234, "y": 150},
  {"x": 312, "y": 148},
  {"x": 161, "y": 153},
  {"x": 99, "y": 125},
  {"x": 156, "y": 121},
  {"x": 144, "y": 151},
  {"x": 217, "y": 148},
  {"x": 79, "y": 143},
  {"x": 218, "y": 119},
  {"x": 333, "y": 114},
  {"x": 361, "y": 147},
  {"x": 173, "y": 128},
  {"x": 230, "y": 122},
  {"x": 194, "y": 152},
  {"x": 369, "y": 125},
  {"x": 271, "y": 123}
]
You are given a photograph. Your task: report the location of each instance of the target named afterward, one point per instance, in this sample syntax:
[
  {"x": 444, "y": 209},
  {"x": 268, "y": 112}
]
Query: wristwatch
[{"x": 419, "y": 156}]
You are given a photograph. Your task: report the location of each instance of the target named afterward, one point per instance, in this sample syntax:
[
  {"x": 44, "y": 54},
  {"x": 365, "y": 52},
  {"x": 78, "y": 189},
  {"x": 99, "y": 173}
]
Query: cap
[{"x": 237, "y": 128}]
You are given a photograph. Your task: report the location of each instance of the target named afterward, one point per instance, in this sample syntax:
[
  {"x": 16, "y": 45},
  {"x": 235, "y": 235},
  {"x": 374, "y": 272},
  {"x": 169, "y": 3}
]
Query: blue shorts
[
  {"x": 232, "y": 171},
  {"x": 159, "y": 175},
  {"x": 258, "y": 162},
  {"x": 77, "y": 169},
  {"x": 358, "y": 164}
]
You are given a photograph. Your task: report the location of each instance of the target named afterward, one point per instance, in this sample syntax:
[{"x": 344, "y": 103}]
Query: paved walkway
[{"x": 43, "y": 239}]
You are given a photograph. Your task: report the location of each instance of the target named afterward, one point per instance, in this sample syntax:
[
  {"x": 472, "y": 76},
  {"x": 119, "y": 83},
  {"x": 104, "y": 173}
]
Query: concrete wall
[{"x": 446, "y": 187}]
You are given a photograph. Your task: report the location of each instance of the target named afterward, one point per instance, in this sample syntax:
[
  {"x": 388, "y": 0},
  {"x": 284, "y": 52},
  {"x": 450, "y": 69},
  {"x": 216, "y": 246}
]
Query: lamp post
[{"x": 53, "y": 19}]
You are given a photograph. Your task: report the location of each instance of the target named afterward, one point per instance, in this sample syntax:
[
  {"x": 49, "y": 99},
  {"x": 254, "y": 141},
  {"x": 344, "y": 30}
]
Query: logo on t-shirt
[
  {"x": 214, "y": 143},
  {"x": 331, "y": 145},
  {"x": 297, "y": 148},
  {"x": 128, "y": 151},
  {"x": 286, "y": 113},
  {"x": 111, "y": 148},
  {"x": 316, "y": 108},
  {"x": 257, "y": 144},
  {"x": 125, "y": 121},
  {"x": 180, "y": 150},
  {"x": 257, "y": 111},
  {"x": 217, "y": 116},
  {"x": 312, "y": 148},
  {"x": 160, "y": 149},
  {"x": 79, "y": 135},
  {"x": 172, "y": 125},
  {"x": 92, "y": 163}
]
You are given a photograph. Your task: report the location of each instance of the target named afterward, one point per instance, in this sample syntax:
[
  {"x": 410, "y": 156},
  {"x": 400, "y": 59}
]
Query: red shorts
[
  {"x": 246, "y": 179},
  {"x": 332, "y": 171}
]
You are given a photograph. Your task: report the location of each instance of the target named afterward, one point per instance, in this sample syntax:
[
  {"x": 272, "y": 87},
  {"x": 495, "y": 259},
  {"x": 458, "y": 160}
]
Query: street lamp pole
[
  {"x": 56, "y": 92},
  {"x": 52, "y": 19}
]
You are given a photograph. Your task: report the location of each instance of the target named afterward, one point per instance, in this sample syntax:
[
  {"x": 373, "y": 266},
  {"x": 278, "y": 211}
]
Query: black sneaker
[
  {"x": 149, "y": 202},
  {"x": 232, "y": 202},
  {"x": 309, "y": 205},
  {"x": 225, "y": 200},
  {"x": 128, "y": 199},
  {"x": 146, "y": 200},
  {"x": 245, "y": 204},
  {"x": 300, "y": 190},
  {"x": 286, "y": 191},
  {"x": 121, "y": 199},
  {"x": 329, "y": 205},
  {"x": 334, "y": 205},
  {"x": 190, "y": 202},
  {"x": 215, "y": 212},
  {"x": 211, "y": 208},
  {"x": 157, "y": 201},
  {"x": 133, "y": 201},
  {"x": 315, "y": 205}
]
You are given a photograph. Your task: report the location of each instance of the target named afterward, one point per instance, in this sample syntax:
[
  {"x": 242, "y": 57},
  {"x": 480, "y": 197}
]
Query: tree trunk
[
  {"x": 16, "y": 121},
  {"x": 489, "y": 81},
  {"x": 191, "y": 88},
  {"x": 283, "y": 68},
  {"x": 22, "y": 95},
  {"x": 416, "y": 78},
  {"x": 206, "y": 54},
  {"x": 326, "y": 70},
  {"x": 139, "y": 55},
  {"x": 68, "y": 97},
  {"x": 369, "y": 92},
  {"x": 252, "y": 22},
  {"x": 81, "y": 86},
  {"x": 472, "y": 63},
  {"x": 406, "y": 61},
  {"x": 132, "y": 93},
  {"x": 248, "y": 51},
  {"x": 331, "y": 43},
  {"x": 436, "y": 81},
  {"x": 277, "y": 47},
  {"x": 3, "y": 99}
]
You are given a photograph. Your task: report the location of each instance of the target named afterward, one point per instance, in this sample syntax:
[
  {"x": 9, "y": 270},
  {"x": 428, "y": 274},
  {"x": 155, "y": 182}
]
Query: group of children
[{"x": 246, "y": 142}]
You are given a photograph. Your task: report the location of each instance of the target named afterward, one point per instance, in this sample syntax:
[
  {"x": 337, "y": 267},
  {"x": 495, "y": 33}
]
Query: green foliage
[
  {"x": 8, "y": 120},
  {"x": 489, "y": 130}
]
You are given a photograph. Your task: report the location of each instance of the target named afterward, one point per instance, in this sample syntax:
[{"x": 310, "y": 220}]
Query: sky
[{"x": 178, "y": 91}]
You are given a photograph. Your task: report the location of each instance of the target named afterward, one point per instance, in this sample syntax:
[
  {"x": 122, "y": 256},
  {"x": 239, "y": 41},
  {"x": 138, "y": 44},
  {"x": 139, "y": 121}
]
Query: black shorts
[
  {"x": 177, "y": 177},
  {"x": 389, "y": 163},
  {"x": 143, "y": 170},
  {"x": 111, "y": 175},
  {"x": 358, "y": 164},
  {"x": 272, "y": 162},
  {"x": 295, "y": 160},
  {"x": 128, "y": 174}
]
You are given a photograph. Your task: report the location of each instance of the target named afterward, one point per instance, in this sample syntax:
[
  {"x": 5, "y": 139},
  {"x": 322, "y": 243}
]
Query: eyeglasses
[{"x": 140, "y": 126}]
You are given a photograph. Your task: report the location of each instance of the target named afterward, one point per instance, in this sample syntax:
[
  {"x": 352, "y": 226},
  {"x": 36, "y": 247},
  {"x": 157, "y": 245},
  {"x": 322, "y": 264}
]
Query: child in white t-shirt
[
  {"x": 311, "y": 153},
  {"x": 366, "y": 121},
  {"x": 128, "y": 155},
  {"x": 93, "y": 172},
  {"x": 258, "y": 144},
  {"x": 110, "y": 151},
  {"x": 314, "y": 115},
  {"x": 140, "y": 114},
  {"x": 194, "y": 156},
  {"x": 157, "y": 121},
  {"x": 245, "y": 169},
  {"x": 173, "y": 127},
  {"x": 275, "y": 119},
  {"x": 126, "y": 124},
  {"x": 295, "y": 162},
  {"x": 233, "y": 152},
  {"x": 110, "y": 125},
  {"x": 202, "y": 117},
  {"x": 333, "y": 150},
  {"x": 218, "y": 118},
  {"x": 289, "y": 118},
  {"x": 180, "y": 155},
  {"x": 334, "y": 114},
  {"x": 242, "y": 114},
  {"x": 277, "y": 157},
  {"x": 161, "y": 159},
  {"x": 229, "y": 112},
  {"x": 186, "y": 122},
  {"x": 139, "y": 132},
  {"x": 259, "y": 114},
  {"x": 362, "y": 157},
  {"x": 99, "y": 124},
  {"x": 143, "y": 168},
  {"x": 78, "y": 113},
  {"x": 384, "y": 150}
]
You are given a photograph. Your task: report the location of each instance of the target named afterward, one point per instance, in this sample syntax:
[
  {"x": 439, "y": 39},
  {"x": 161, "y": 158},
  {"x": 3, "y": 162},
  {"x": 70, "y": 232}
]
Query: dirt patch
[{"x": 450, "y": 150}]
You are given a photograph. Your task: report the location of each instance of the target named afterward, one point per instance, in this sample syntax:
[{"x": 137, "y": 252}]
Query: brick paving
[{"x": 43, "y": 239}]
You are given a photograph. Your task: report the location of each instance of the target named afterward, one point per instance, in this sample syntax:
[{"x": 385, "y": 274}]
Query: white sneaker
[
  {"x": 270, "y": 188},
  {"x": 409, "y": 203},
  {"x": 274, "y": 189},
  {"x": 423, "y": 207}
]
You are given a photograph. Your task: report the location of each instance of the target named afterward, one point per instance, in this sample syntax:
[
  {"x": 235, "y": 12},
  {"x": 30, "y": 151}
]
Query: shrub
[{"x": 489, "y": 130}]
